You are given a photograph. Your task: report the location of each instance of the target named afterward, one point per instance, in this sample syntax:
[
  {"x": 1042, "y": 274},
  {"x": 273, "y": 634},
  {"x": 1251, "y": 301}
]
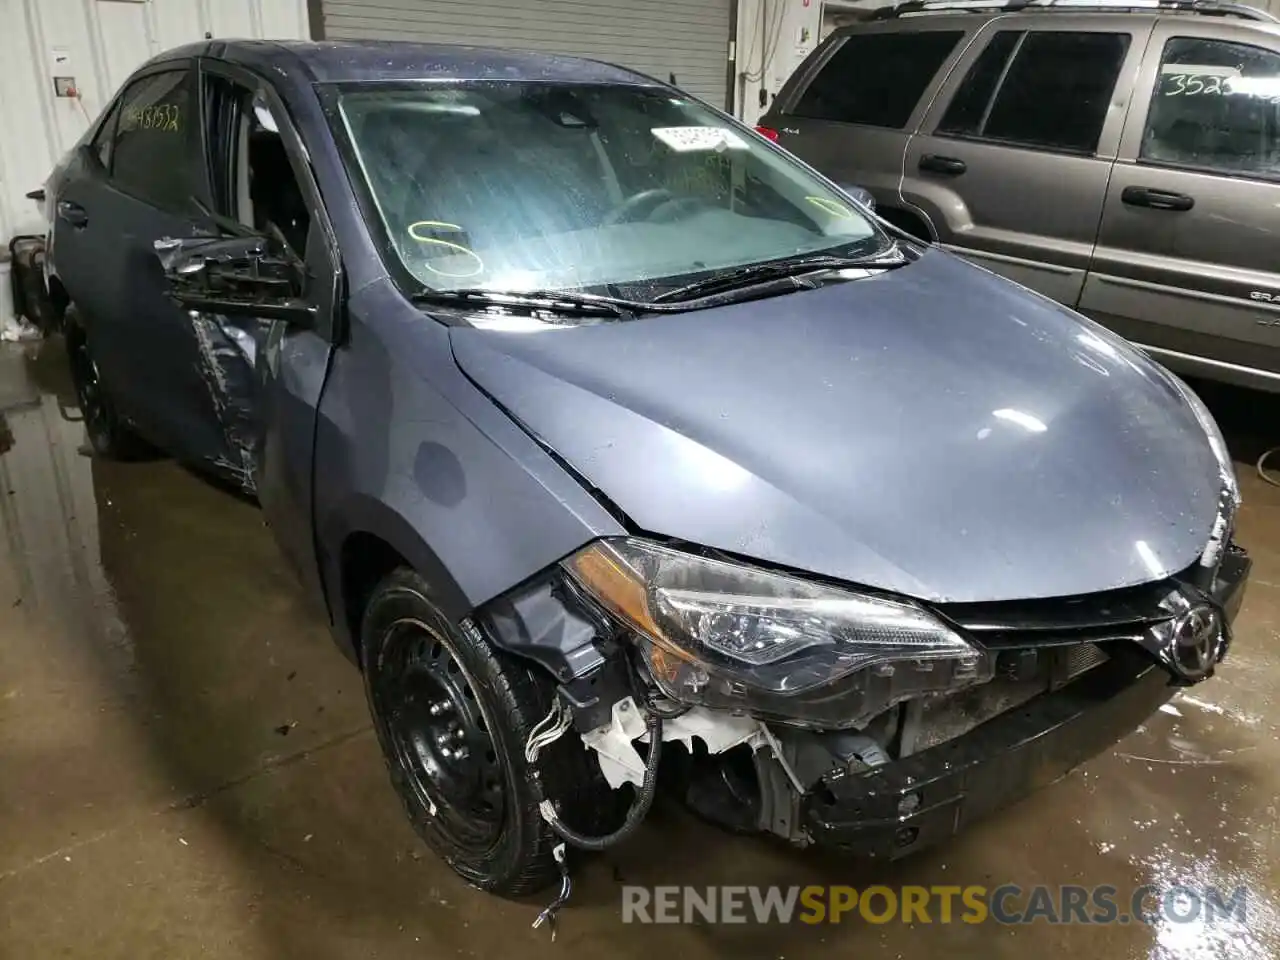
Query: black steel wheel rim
[
  {"x": 439, "y": 735},
  {"x": 88, "y": 386}
]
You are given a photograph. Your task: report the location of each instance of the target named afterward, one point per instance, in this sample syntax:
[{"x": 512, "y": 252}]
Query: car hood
[{"x": 933, "y": 430}]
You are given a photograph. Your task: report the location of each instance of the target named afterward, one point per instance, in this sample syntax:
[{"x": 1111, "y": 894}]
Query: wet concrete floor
[{"x": 187, "y": 769}]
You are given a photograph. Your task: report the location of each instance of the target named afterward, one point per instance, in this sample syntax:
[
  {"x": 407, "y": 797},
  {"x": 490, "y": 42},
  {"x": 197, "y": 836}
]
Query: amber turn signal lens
[{"x": 616, "y": 585}]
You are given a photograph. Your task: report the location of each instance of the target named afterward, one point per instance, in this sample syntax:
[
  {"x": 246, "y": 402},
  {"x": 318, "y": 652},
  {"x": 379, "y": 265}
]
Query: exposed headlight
[{"x": 729, "y": 636}]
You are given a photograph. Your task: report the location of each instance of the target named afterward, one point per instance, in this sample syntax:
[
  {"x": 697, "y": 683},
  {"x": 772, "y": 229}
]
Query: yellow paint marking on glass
[
  {"x": 831, "y": 207},
  {"x": 449, "y": 245},
  {"x": 166, "y": 117}
]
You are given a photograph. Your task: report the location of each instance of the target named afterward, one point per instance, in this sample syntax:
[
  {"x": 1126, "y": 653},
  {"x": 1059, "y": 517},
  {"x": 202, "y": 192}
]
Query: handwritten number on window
[
  {"x": 165, "y": 117},
  {"x": 1193, "y": 85}
]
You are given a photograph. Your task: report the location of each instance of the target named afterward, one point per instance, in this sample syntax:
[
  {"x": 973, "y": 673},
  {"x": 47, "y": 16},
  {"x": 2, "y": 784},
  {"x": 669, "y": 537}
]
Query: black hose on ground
[{"x": 639, "y": 808}]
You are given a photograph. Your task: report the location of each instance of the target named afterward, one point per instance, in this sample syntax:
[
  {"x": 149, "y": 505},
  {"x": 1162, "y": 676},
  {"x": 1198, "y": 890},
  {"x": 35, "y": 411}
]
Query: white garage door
[{"x": 687, "y": 38}]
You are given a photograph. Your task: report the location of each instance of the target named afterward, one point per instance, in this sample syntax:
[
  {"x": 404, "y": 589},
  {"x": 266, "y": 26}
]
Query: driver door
[{"x": 265, "y": 312}]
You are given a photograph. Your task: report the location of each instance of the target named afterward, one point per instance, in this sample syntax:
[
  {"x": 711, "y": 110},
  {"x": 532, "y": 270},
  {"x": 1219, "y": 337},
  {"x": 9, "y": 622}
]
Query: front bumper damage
[
  {"x": 1072, "y": 676},
  {"x": 911, "y": 803},
  {"x": 905, "y": 805}
]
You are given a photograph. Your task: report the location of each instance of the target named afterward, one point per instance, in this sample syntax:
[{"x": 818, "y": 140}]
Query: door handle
[
  {"x": 949, "y": 166},
  {"x": 72, "y": 213},
  {"x": 1156, "y": 199}
]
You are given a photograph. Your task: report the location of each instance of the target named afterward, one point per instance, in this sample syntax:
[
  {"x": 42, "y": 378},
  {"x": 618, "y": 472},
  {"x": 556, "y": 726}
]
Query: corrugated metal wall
[
  {"x": 99, "y": 43},
  {"x": 688, "y": 38}
]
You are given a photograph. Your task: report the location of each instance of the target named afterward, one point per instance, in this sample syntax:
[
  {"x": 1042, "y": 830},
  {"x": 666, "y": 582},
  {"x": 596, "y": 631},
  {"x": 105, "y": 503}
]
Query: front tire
[{"x": 453, "y": 714}]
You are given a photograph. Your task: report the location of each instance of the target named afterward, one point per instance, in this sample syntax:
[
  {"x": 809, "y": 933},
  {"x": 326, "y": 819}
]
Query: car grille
[
  {"x": 1038, "y": 645},
  {"x": 1094, "y": 618},
  {"x": 1083, "y": 657},
  {"x": 1020, "y": 676}
]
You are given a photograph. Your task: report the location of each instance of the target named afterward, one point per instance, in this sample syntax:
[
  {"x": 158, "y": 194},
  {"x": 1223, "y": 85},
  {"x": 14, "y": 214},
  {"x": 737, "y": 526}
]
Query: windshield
[{"x": 519, "y": 186}]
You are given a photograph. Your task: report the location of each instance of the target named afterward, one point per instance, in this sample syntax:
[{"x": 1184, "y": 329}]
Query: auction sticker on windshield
[{"x": 688, "y": 139}]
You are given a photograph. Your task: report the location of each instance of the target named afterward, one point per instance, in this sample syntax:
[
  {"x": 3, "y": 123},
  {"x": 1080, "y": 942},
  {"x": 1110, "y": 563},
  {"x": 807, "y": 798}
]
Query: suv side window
[
  {"x": 1046, "y": 88},
  {"x": 149, "y": 155},
  {"x": 969, "y": 108},
  {"x": 877, "y": 78},
  {"x": 1215, "y": 106}
]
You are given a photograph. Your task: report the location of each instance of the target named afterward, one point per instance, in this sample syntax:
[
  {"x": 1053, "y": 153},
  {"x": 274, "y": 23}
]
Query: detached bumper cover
[{"x": 915, "y": 802}]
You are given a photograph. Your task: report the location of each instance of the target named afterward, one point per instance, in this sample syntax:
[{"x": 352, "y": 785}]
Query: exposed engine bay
[{"x": 874, "y": 748}]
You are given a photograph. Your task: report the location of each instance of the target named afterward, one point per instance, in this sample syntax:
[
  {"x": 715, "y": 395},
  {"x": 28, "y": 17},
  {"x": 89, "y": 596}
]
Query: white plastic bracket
[{"x": 614, "y": 742}]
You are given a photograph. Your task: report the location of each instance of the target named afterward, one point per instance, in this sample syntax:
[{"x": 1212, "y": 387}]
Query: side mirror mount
[
  {"x": 861, "y": 194},
  {"x": 247, "y": 276}
]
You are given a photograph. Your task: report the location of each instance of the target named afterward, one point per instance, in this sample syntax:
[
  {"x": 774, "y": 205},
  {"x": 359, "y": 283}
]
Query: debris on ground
[{"x": 18, "y": 330}]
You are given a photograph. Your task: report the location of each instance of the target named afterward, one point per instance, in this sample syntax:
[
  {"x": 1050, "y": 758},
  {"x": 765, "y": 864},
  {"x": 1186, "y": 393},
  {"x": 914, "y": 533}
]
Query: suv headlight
[{"x": 733, "y": 637}]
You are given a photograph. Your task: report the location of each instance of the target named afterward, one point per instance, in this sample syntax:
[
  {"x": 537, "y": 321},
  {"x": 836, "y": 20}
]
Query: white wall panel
[
  {"x": 174, "y": 22},
  {"x": 774, "y": 37},
  {"x": 229, "y": 18},
  {"x": 99, "y": 43},
  {"x": 125, "y": 42},
  {"x": 283, "y": 19}
]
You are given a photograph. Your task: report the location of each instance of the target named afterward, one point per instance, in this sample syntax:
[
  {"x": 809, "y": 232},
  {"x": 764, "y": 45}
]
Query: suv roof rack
[{"x": 1211, "y": 8}]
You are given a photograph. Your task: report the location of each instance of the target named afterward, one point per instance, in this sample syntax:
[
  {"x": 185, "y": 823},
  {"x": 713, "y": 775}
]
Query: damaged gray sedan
[{"x": 609, "y": 437}]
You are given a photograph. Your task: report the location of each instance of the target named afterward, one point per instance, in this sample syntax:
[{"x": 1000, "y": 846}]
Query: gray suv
[{"x": 1123, "y": 160}]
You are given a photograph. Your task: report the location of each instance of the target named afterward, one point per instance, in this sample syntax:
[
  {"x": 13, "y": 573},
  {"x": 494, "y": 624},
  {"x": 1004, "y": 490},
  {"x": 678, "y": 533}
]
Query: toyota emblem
[{"x": 1196, "y": 642}]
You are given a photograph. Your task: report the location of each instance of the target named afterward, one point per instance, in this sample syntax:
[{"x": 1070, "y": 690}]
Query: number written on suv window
[
  {"x": 1047, "y": 88},
  {"x": 1215, "y": 106},
  {"x": 877, "y": 78}
]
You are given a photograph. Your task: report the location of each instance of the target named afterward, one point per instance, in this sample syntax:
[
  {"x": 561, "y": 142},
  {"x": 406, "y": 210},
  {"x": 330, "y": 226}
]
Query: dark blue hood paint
[{"x": 934, "y": 431}]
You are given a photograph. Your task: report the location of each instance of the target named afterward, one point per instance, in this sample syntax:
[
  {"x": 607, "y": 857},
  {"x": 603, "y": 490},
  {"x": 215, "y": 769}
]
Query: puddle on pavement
[{"x": 157, "y": 664}]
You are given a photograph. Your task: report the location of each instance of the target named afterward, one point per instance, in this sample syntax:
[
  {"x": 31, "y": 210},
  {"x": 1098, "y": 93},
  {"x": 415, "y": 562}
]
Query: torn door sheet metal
[{"x": 228, "y": 356}]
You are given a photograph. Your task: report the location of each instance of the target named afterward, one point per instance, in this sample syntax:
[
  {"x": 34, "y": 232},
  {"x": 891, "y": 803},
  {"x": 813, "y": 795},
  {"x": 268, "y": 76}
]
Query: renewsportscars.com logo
[{"x": 1007, "y": 904}]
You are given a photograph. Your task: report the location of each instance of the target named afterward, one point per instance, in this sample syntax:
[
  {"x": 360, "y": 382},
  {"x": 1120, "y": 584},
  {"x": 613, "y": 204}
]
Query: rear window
[{"x": 877, "y": 78}]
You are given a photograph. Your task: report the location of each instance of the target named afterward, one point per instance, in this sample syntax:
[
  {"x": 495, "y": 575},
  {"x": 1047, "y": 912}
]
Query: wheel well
[
  {"x": 365, "y": 561},
  {"x": 912, "y": 223}
]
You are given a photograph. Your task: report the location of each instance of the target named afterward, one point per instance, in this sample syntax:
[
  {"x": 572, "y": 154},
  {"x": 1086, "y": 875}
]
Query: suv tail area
[{"x": 1123, "y": 161}]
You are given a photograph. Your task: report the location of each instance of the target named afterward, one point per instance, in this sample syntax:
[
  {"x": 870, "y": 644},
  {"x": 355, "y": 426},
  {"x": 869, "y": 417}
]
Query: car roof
[{"x": 330, "y": 61}]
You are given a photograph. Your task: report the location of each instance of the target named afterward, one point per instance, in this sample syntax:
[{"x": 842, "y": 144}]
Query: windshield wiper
[
  {"x": 758, "y": 273},
  {"x": 552, "y": 301}
]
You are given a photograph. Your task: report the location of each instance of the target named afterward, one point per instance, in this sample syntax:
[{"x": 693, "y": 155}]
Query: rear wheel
[
  {"x": 108, "y": 435},
  {"x": 453, "y": 715}
]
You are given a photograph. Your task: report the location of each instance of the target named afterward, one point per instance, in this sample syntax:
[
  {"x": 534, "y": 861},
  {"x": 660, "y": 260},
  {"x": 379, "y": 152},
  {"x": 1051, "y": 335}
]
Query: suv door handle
[
  {"x": 945, "y": 165},
  {"x": 1156, "y": 199},
  {"x": 72, "y": 213}
]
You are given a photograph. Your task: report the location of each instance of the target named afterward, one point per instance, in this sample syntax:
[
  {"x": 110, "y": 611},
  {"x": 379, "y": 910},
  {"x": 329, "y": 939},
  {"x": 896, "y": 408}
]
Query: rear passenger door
[
  {"x": 1011, "y": 164},
  {"x": 852, "y": 112},
  {"x": 1187, "y": 262},
  {"x": 148, "y": 186}
]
